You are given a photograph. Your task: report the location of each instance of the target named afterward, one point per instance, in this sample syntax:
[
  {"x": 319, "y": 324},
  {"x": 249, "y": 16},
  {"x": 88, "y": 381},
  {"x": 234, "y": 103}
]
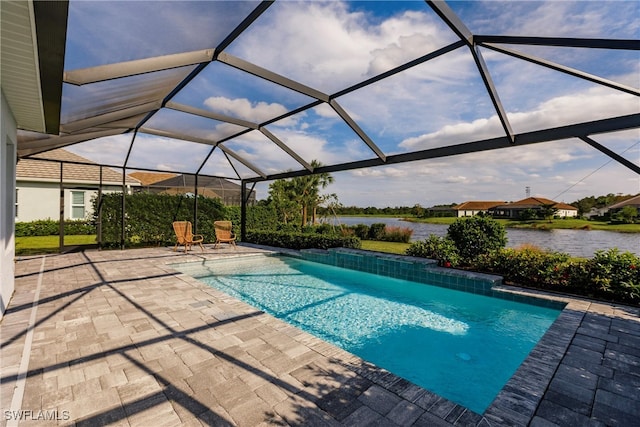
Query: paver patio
[{"x": 120, "y": 338}]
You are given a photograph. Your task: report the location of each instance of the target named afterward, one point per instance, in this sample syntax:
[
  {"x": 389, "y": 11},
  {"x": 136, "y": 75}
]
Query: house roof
[
  {"x": 474, "y": 205},
  {"x": 148, "y": 178},
  {"x": 533, "y": 202},
  {"x": 79, "y": 170},
  {"x": 565, "y": 206},
  {"x": 203, "y": 181},
  {"x": 634, "y": 201}
]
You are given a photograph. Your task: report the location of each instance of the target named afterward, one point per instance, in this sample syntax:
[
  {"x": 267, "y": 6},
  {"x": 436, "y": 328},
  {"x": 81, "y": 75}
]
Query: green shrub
[
  {"x": 327, "y": 229},
  {"x": 149, "y": 217},
  {"x": 361, "y": 230},
  {"x": 298, "y": 240},
  {"x": 380, "y": 232},
  {"x": 615, "y": 273},
  {"x": 476, "y": 236},
  {"x": 527, "y": 265},
  {"x": 376, "y": 231},
  {"x": 397, "y": 234},
  {"x": 49, "y": 227},
  {"x": 259, "y": 217},
  {"x": 609, "y": 275},
  {"x": 438, "y": 248}
]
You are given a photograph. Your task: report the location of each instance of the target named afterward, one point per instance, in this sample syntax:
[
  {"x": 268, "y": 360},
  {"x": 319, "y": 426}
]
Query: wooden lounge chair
[
  {"x": 224, "y": 233},
  {"x": 185, "y": 236}
]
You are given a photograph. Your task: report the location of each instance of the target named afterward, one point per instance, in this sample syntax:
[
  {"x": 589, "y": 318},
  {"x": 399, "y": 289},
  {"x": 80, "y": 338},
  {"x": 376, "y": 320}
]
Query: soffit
[{"x": 20, "y": 71}]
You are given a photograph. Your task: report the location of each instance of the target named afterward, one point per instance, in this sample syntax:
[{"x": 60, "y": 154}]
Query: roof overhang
[{"x": 33, "y": 46}]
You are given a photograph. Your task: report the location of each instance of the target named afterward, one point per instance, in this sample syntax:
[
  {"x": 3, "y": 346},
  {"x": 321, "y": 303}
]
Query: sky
[{"x": 330, "y": 46}]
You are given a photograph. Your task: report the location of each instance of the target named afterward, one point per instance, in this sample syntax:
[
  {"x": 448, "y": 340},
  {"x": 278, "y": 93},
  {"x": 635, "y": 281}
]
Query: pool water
[{"x": 459, "y": 345}]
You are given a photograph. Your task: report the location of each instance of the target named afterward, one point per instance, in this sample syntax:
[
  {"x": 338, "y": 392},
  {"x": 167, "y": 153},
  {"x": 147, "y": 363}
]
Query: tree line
[{"x": 300, "y": 201}]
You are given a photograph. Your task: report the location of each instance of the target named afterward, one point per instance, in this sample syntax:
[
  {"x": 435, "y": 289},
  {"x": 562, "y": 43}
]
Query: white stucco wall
[
  {"x": 567, "y": 213},
  {"x": 38, "y": 201},
  {"x": 41, "y": 200},
  {"x": 465, "y": 213},
  {"x": 7, "y": 200}
]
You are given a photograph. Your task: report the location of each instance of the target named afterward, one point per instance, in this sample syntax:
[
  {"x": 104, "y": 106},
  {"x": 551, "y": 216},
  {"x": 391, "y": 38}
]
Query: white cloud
[
  {"x": 333, "y": 47},
  {"x": 389, "y": 172},
  {"x": 595, "y": 103},
  {"x": 257, "y": 112}
]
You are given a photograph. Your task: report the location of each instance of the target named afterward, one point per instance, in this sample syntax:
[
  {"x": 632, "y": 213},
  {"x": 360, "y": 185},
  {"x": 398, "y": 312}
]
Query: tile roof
[
  {"x": 535, "y": 201},
  {"x": 532, "y": 202},
  {"x": 148, "y": 178},
  {"x": 634, "y": 201},
  {"x": 203, "y": 181},
  {"x": 565, "y": 207},
  {"x": 478, "y": 205},
  {"x": 47, "y": 170}
]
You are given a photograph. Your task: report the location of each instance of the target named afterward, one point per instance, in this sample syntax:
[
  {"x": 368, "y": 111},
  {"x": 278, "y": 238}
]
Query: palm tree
[
  {"x": 303, "y": 191},
  {"x": 322, "y": 181}
]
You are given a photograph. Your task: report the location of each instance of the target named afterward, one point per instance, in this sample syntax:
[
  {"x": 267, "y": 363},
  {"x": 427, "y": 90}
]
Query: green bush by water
[
  {"x": 475, "y": 236},
  {"x": 610, "y": 275},
  {"x": 442, "y": 249}
]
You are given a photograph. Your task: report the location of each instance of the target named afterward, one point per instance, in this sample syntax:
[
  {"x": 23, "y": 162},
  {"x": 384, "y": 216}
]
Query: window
[{"x": 77, "y": 204}]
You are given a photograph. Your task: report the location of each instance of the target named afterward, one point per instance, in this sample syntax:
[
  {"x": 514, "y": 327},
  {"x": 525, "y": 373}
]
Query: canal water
[{"x": 580, "y": 243}]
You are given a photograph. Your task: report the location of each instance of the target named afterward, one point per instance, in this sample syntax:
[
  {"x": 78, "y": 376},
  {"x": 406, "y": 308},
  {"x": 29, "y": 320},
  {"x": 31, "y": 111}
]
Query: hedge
[
  {"x": 297, "y": 240},
  {"x": 149, "y": 217},
  {"x": 610, "y": 275},
  {"x": 49, "y": 227}
]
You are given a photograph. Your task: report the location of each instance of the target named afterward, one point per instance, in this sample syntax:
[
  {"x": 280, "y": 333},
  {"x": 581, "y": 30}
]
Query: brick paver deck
[{"x": 120, "y": 338}]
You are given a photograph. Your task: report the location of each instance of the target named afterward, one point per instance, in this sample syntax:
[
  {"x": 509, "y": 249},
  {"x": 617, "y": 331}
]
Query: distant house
[
  {"x": 514, "y": 210},
  {"x": 148, "y": 178},
  {"x": 38, "y": 186},
  {"x": 596, "y": 212},
  {"x": 472, "y": 208},
  {"x": 634, "y": 202},
  {"x": 216, "y": 188},
  {"x": 440, "y": 211}
]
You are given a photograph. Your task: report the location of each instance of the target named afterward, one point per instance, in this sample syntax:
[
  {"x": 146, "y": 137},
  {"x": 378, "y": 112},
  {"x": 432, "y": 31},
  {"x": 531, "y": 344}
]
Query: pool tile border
[{"x": 420, "y": 270}]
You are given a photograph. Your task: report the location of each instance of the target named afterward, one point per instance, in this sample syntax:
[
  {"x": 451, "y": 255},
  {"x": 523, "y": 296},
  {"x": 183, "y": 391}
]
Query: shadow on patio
[{"x": 120, "y": 338}]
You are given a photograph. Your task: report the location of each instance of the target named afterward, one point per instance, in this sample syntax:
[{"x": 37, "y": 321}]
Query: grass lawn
[
  {"x": 388, "y": 247},
  {"x": 49, "y": 244},
  {"x": 543, "y": 224}
]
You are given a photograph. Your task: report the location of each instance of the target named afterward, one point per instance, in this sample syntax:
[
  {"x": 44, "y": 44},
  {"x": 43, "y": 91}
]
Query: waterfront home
[
  {"x": 515, "y": 209},
  {"x": 474, "y": 207},
  {"x": 633, "y": 202}
]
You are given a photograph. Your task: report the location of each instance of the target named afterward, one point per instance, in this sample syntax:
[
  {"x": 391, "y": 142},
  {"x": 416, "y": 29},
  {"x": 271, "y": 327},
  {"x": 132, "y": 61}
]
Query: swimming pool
[{"x": 459, "y": 345}]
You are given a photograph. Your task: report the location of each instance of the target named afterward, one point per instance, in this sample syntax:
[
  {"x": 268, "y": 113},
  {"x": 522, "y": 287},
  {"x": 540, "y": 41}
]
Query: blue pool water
[{"x": 459, "y": 345}]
